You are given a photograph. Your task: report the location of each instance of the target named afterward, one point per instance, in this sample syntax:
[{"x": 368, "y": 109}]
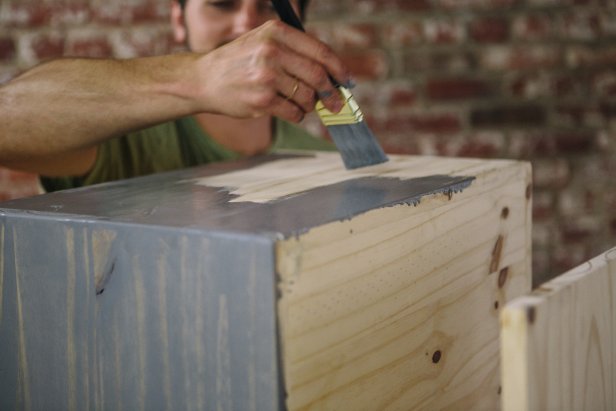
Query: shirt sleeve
[{"x": 147, "y": 151}]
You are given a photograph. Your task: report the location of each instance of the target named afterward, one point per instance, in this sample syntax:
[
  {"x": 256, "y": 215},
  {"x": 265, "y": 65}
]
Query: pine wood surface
[
  {"x": 394, "y": 308},
  {"x": 397, "y": 309},
  {"x": 284, "y": 178},
  {"x": 559, "y": 342}
]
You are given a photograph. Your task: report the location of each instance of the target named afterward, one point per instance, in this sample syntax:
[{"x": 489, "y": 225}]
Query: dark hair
[{"x": 302, "y": 6}]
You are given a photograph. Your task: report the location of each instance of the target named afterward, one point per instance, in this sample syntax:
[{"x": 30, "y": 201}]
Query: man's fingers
[
  {"x": 314, "y": 76},
  {"x": 287, "y": 110},
  {"x": 311, "y": 48},
  {"x": 311, "y": 61},
  {"x": 296, "y": 91}
]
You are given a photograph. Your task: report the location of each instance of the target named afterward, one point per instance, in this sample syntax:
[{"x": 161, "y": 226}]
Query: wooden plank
[
  {"x": 231, "y": 286},
  {"x": 559, "y": 342},
  {"x": 101, "y": 316},
  {"x": 397, "y": 308}
]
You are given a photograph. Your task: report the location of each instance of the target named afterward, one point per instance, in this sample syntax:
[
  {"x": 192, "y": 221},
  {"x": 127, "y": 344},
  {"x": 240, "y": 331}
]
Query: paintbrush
[{"x": 352, "y": 136}]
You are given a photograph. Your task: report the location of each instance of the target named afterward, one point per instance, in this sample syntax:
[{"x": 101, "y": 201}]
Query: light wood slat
[
  {"x": 287, "y": 177},
  {"x": 368, "y": 302},
  {"x": 558, "y": 343}
]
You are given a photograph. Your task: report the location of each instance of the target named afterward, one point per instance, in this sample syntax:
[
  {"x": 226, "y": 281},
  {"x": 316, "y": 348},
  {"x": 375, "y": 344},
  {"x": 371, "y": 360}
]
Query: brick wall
[{"x": 522, "y": 79}]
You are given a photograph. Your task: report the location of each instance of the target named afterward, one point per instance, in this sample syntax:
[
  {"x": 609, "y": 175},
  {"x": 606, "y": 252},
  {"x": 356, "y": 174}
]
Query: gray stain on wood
[
  {"x": 157, "y": 293},
  {"x": 157, "y": 200}
]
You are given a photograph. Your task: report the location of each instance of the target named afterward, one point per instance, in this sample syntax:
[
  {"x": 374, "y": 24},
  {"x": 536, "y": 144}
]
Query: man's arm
[{"x": 53, "y": 116}]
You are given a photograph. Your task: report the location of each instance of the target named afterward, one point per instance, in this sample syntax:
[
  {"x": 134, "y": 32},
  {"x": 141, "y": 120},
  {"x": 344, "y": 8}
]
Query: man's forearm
[
  {"x": 71, "y": 104},
  {"x": 66, "y": 107}
]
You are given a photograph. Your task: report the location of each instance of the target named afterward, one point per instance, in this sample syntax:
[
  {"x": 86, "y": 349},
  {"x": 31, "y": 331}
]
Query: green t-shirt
[{"x": 169, "y": 146}]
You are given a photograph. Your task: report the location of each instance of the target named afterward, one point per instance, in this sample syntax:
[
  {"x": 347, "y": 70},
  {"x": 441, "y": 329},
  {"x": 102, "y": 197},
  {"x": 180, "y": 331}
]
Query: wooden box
[
  {"x": 559, "y": 342},
  {"x": 284, "y": 282}
]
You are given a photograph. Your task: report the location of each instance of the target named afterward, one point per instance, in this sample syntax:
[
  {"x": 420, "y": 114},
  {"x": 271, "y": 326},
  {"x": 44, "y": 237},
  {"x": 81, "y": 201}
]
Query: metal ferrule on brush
[{"x": 350, "y": 113}]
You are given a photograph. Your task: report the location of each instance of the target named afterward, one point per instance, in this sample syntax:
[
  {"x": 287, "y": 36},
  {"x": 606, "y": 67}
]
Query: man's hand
[
  {"x": 271, "y": 70},
  {"x": 53, "y": 117}
]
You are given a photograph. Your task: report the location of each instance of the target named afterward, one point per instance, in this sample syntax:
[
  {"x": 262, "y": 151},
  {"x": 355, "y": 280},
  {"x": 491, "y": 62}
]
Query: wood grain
[
  {"x": 172, "y": 328},
  {"x": 297, "y": 285},
  {"x": 284, "y": 178},
  {"x": 395, "y": 309},
  {"x": 559, "y": 343}
]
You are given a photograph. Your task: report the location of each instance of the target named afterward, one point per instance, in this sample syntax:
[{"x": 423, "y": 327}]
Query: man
[{"x": 84, "y": 121}]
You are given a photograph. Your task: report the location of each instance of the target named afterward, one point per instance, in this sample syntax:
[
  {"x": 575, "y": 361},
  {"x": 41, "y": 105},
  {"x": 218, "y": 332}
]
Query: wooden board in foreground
[
  {"x": 277, "y": 283},
  {"x": 559, "y": 342}
]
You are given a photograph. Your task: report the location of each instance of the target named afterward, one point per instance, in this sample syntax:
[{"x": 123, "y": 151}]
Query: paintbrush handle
[{"x": 287, "y": 14}]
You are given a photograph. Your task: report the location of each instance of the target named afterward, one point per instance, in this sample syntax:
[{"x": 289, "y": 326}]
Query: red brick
[
  {"x": 533, "y": 27},
  {"x": 354, "y": 36},
  {"x": 502, "y": 58},
  {"x": 579, "y": 230},
  {"x": 402, "y": 97},
  {"x": 608, "y": 22},
  {"x": 543, "y": 210},
  {"x": 387, "y": 96},
  {"x": 580, "y": 25},
  {"x": 552, "y": 173},
  {"x": 574, "y": 142},
  {"x": 608, "y": 109},
  {"x": 603, "y": 55},
  {"x": 90, "y": 45},
  {"x": 139, "y": 12},
  {"x": 575, "y": 201},
  {"x": 480, "y": 145},
  {"x": 75, "y": 12},
  {"x": 7, "y": 48},
  {"x": 400, "y": 145},
  {"x": 403, "y": 34},
  {"x": 413, "y": 5},
  {"x": 444, "y": 31},
  {"x": 551, "y": 143},
  {"x": 324, "y": 9},
  {"x": 436, "y": 123},
  {"x": 364, "y": 65},
  {"x": 25, "y": 14},
  {"x": 444, "y": 89},
  {"x": 515, "y": 116},
  {"x": 604, "y": 84},
  {"x": 489, "y": 30},
  {"x": 567, "y": 85},
  {"x": 527, "y": 145},
  {"x": 575, "y": 114},
  {"x": 47, "y": 45},
  {"x": 541, "y": 267},
  {"x": 425, "y": 123},
  {"x": 7, "y": 72},
  {"x": 143, "y": 42},
  {"x": 467, "y": 5},
  {"x": 529, "y": 85},
  {"x": 566, "y": 258},
  {"x": 441, "y": 61},
  {"x": 372, "y": 7}
]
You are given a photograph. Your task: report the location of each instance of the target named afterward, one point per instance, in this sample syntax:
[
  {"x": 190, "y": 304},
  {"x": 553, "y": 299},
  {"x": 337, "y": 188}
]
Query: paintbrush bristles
[
  {"x": 354, "y": 140},
  {"x": 357, "y": 145}
]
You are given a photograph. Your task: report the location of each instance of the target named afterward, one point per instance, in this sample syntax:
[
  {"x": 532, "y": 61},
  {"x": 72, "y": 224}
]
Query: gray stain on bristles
[{"x": 357, "y": 145}]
